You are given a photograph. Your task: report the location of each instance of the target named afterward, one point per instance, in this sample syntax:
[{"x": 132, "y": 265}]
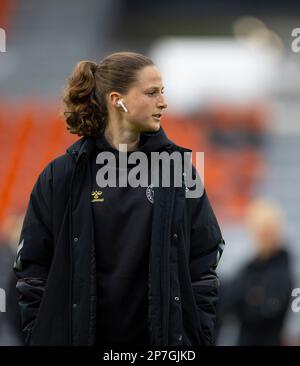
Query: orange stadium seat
[
  {"x": 33, "y": 134},
  {"x": 6, "y": 9}
]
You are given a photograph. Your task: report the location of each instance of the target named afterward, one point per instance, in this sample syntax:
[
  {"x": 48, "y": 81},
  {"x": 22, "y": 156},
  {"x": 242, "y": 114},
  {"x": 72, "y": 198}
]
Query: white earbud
[{"x": 121, "y": 104}]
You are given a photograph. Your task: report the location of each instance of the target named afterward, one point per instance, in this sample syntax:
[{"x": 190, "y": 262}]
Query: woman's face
[{"x": 145, "y": 101}]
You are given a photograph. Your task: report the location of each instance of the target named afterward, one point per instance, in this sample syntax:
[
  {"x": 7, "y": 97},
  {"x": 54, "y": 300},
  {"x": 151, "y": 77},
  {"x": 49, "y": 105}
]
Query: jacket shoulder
[
  {"x": 56, "y": 172},
  {"x": 62, "y": 164}
]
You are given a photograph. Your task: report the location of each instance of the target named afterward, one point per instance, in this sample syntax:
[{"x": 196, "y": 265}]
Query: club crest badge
[{"x": 150, "y": 193}]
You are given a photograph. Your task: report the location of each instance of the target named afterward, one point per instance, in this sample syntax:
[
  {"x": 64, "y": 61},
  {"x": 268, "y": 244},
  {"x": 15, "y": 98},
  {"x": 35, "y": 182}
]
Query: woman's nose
[{"x": 163, "y": 103}]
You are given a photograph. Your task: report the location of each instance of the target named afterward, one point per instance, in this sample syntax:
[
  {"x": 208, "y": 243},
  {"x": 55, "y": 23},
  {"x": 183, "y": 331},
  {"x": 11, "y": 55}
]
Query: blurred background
[{"x": 231, "y": 75}]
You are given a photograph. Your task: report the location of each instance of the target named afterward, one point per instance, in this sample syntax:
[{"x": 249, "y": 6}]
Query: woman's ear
[{"x": 113, "y": 99}]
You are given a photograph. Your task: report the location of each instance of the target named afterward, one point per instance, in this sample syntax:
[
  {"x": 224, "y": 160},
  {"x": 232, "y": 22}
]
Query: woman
[{"x": 106, "y": 264}]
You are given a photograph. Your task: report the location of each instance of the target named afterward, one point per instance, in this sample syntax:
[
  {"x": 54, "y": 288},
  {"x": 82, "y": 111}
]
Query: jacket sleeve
[
  {"x": 206, "y": 249},
  {"x": 35, "y": 250}
]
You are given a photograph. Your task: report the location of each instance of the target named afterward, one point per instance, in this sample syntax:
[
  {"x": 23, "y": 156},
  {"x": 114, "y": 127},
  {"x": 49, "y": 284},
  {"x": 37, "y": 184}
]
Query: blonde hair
[{"x": 264, "y": 211}]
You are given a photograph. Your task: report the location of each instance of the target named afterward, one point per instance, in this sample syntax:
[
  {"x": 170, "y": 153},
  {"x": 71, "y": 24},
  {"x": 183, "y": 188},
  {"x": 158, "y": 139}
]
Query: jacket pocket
[
  {"x": 206, "y": 294},
  {"x": 31, "y": 291}
]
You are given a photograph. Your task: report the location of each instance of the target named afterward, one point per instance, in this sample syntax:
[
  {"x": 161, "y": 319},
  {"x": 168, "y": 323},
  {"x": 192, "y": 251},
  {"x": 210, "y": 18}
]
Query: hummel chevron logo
[{"x": 96, "y": 196}]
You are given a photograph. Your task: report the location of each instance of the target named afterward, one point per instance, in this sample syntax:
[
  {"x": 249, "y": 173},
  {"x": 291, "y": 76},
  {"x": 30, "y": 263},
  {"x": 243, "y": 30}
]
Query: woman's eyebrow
[{"x": 155, "y": 88}]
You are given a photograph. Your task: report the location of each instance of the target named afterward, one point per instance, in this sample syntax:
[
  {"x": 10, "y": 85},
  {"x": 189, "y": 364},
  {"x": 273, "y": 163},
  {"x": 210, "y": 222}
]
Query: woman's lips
[{"x": 157, "y": 117}]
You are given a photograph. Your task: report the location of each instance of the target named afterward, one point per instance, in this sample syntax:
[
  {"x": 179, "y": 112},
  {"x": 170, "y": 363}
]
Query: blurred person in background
[
  {"x": 90, "y": 263},
  {"x": 259, "y": 294},
  {"x": 10, "y": 319}
]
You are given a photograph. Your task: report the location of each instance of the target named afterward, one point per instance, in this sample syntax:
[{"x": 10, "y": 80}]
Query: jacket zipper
[
  {"x": 165, "y": 269},
  {"x": 75, "y": 155}
]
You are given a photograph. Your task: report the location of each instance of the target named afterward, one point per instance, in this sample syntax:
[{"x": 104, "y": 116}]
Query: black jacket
[
  {"x": 56, "y": 265},
  {"x": 10, "y": 320},
  {"x": 259, "y": 295}
]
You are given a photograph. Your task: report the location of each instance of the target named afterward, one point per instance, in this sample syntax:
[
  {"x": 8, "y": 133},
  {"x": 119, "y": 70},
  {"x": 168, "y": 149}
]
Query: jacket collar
[
  {"x": 85, "y": 146},
  {"x": 80, "y": 147}
]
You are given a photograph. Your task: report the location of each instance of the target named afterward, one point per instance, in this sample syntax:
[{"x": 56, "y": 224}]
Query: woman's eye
[{"x": 154, "y": 92}]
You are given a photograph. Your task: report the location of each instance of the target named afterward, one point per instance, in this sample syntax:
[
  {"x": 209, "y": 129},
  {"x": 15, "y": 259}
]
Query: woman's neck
[{"x": 116, "y": 136}]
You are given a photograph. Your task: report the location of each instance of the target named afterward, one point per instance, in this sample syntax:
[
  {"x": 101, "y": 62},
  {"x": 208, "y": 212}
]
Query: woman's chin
[
  {"x": 153, "y": 127},
  {"x": 147, "y": 126}
]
